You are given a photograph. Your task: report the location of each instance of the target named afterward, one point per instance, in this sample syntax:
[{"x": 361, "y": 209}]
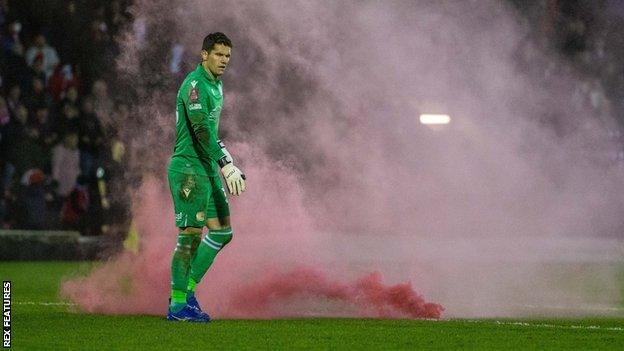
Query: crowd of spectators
[{"x": 53, "y": 150}]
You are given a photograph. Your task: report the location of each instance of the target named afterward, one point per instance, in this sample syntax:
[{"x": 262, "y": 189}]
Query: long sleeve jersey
[{"x": 198, "y": 111}]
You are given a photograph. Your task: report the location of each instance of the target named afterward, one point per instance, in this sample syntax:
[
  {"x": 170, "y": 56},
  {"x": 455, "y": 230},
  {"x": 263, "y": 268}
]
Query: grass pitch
[{"x": 41, "y": 322}]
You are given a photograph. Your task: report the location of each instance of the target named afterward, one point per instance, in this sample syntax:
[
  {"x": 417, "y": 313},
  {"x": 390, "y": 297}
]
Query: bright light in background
[{"x": 430, "y": 119}]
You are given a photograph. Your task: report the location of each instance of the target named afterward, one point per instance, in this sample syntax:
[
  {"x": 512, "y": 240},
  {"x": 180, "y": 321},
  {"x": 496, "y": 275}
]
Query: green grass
[{"x": 54, "y": 327}]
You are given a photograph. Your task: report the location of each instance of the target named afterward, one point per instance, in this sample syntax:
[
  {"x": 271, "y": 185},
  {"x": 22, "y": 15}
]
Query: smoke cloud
[{"x": 508, "y": 211}]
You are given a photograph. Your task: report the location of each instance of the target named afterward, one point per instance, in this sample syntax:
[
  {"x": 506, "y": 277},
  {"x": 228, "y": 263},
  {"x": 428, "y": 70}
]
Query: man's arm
[{"x": 199, "y": 116}]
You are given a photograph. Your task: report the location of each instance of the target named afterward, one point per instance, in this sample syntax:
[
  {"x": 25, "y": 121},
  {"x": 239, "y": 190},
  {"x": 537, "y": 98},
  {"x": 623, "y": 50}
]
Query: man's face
[
  {"x": 87, "y": 106},
  {"x": 42, "y": 115},
  {"x": 71, "y": 141},
  {"x": 22, "y": 114},
  {"x": 15, "y": 92},
  {"x": 38, "y": 85},
  {"x": 217, "y": 59},
  {"x": 40, "y": 41},
  {"x": 72, "y": 94}
]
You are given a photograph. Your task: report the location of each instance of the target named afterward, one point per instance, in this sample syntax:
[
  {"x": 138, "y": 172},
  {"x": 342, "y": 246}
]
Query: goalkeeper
[{"x": 199, "y": 198}]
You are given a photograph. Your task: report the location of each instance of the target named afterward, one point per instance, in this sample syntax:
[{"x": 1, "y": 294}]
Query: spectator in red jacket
[
  {"x": 62, "y": 79},
  {"x": 76, "y": 205}
]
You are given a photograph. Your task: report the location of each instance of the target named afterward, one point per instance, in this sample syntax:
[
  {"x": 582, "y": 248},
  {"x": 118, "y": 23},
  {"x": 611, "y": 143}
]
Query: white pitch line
[
  {"x": 520, "y": 324},
  {"x": 543, "y": 325},
  {"x": 44, "y": 303},
  {"x": 589, "y": 308}
]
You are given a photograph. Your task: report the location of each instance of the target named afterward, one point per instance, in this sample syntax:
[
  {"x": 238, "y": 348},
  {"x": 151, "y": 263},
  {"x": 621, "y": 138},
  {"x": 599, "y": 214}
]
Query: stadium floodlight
[{"x": 433, "y": 119}]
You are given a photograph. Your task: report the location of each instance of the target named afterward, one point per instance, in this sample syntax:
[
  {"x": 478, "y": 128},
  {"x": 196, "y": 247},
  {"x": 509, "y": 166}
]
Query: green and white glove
[
  {"x": 234, "y": 178},
  {"x": 228, "y": 156}
]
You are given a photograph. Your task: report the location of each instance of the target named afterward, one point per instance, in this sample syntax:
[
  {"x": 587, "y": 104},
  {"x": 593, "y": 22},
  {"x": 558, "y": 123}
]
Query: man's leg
[
  {"x": 189, "y": 193},
  {"x": 219, "y": 235},
  {"x": 188, "y": 241}
]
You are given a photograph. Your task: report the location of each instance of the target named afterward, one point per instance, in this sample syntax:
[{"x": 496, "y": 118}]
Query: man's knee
[
  {"x": 221, "y": 236},
  {"x": 218, "y": 223},
  {"x": 229, "y": 236},
  {"x": 186, "y": 244}
]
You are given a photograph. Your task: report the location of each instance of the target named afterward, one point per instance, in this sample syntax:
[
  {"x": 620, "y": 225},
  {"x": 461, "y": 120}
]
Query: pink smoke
[
  {"x": 243, "y": 282},
  {"x": 367, "y": 296},
  {"x": 488, "y": 215}
]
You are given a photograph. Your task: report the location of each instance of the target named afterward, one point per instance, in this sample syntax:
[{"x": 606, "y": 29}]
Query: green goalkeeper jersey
[{"x": 198, "y": 110}]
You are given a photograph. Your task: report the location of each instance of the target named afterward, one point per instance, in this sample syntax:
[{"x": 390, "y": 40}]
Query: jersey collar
[{"x": 206, "y": 73}]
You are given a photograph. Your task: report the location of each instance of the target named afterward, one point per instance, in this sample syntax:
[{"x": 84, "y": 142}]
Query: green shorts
[{"x": 197, "y": 198}]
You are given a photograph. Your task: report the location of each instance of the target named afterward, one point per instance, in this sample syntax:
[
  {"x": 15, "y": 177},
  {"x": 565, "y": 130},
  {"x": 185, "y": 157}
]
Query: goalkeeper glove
[{"x": 234, "y": 178}]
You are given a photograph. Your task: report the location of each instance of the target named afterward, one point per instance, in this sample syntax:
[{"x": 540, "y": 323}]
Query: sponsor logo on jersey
[
  {"x": 193, "y": 83},
  {"x": 214, "y": 114},
  {"x": 186, "y": 192},
  {"x": 195, "y": 106}
]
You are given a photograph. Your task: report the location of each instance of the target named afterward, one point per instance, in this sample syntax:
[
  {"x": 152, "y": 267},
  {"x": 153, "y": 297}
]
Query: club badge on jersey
[
  {"x": 194, "y": 95},
  {"x": 194, "y": 100}
]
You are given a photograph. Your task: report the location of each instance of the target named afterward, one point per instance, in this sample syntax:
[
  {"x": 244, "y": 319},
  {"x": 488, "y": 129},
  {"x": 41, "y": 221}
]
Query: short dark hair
[{"x": 215, "y": 38}]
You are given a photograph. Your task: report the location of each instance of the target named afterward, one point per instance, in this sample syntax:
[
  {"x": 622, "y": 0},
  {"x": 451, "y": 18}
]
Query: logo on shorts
[
  {"x": 200, "y": 216},
  {"x": 187, "y": 186},
  {"x": 186, "y": 192}
]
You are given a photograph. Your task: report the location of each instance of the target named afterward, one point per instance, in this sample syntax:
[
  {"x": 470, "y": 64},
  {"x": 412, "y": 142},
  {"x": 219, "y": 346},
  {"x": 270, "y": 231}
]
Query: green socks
[
  {"x": 180, "y": 267},
  {"x": 208, "y": 249},
  {"x": 190, "y": 289},
  {"x": 191, "y": 260}
]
